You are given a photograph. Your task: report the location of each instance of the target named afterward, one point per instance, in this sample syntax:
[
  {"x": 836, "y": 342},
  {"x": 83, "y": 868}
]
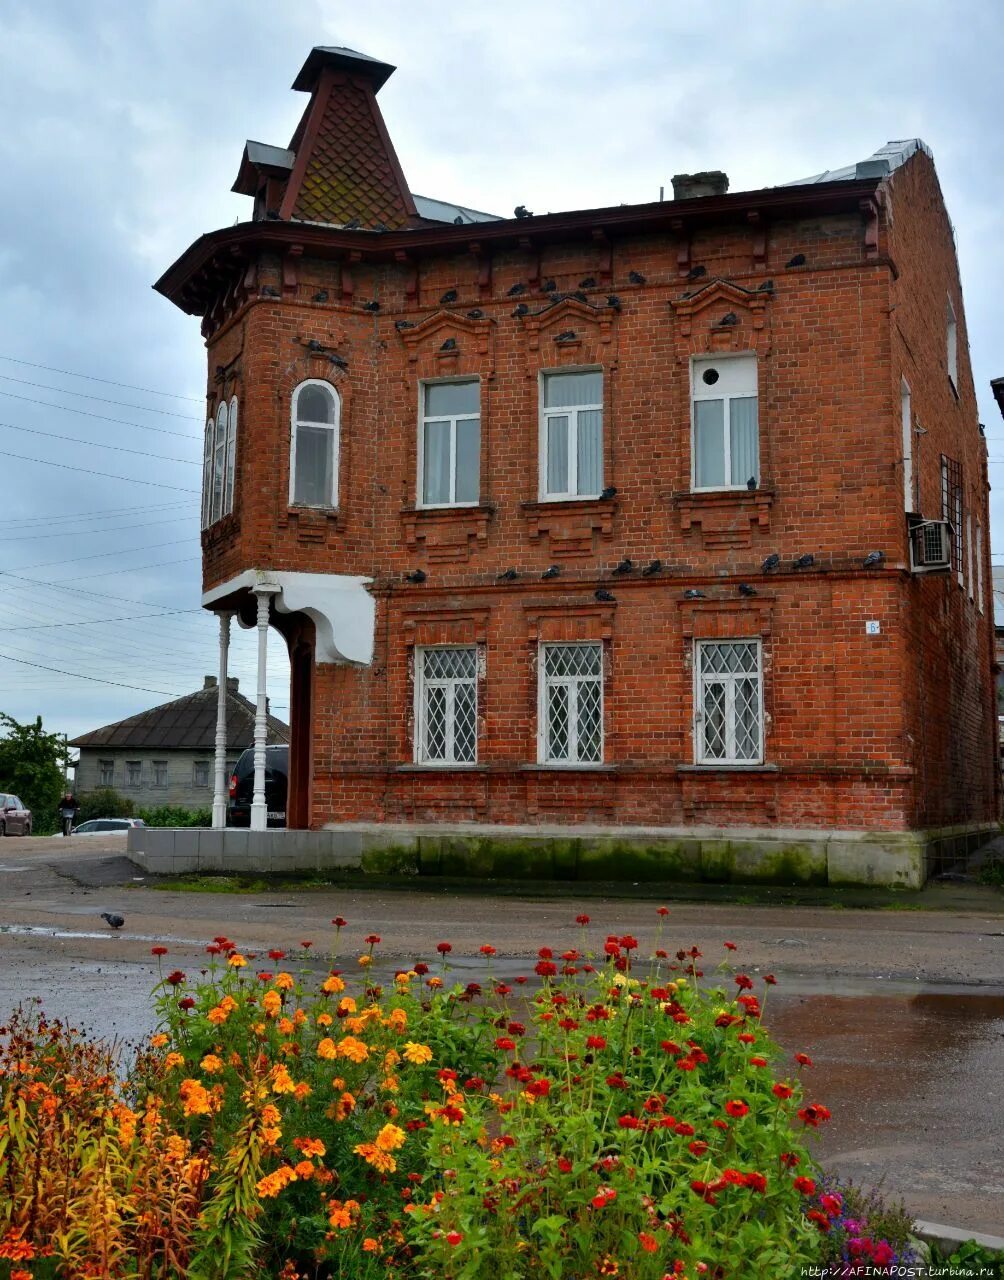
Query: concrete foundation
[{"x": 737, "y": 855}]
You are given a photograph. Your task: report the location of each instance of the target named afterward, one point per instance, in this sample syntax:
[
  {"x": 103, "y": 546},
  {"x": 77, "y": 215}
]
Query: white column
[
  {"x": 259, "y": 813},
  {"x": 220, "y": 763}
]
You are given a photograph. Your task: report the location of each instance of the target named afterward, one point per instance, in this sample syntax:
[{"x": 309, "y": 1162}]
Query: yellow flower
[
  {"x": 173, "y": 1060},
  {"x": 211, "y": 1064},
  {"x": 365, "y": 960},
  {"x": 398, "y": 1019},
  {"x": 236, "y": 961},
  {"x": 159, "y": 1040},
  {"x": 284, "y": 982},
  {"x": 390, "y": 1138},
  {"x": 196, "y": 1098},
  {"x": 324, "y": 1019},
  {"x": 333, "y": 985},
  {"x": 353, "y": 1049},
  {"x": 435, "y": 983},
  {"x": 273, "y": 1183},
  {"x": 390, "y": 1084},
  {"x": 417, "y": 1053},
  {"x": 327, "y": 1048},
  {"x": 347, "y": 1004},
  {"x": 218, "y": 1015},
  {"x": 382, "y": 1161},
  {"x": 281, "y": 1082},
  {"x": 271, "y": 1002}
]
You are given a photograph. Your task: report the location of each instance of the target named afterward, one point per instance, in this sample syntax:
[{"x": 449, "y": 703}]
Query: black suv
[{"x": 276, "y": 785}]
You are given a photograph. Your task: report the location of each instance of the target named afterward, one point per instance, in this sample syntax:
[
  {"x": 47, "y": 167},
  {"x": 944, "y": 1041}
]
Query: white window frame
[
  {"x": 709, "y": 393},
  {"x": 544, "y": 682},
  {"x": 979, "y": 566},
  {"x": 906, "y": 416},
  {"x": 423, "y": 418},
  {"x": 207, "y": 472},
  {"x": 730, "y": 681},
  {"x": 571, "y": 412},
  {"x": 335, "y": 428},
  {"x": 952, "y": 344},
  {"x": 219, "y": 462},
  {"x": 230, "y": 465},
  {"x": 449, "y": 683}
]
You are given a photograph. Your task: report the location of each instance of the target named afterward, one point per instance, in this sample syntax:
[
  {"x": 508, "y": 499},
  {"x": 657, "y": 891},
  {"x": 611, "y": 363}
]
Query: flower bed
[{"x": 591, "y": 1118}]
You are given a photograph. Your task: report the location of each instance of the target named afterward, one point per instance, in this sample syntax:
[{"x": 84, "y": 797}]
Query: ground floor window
[
  {"x": 728, "y": 702},
  {"x": 571, "y": 704},
  {"x": 106, "y": 773},
  {"x": 200, "y": 773},
  {"x": 160, "y": 773},
  {"x": 446, "y": 688},
  {"x": 134, "y": 773}
]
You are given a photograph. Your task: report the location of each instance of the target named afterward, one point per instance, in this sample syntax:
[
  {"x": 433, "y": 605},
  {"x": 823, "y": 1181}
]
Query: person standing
[{"x": 68, "y": 811}]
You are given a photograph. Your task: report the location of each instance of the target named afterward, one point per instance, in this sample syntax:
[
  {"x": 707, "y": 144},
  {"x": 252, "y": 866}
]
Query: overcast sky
[{"x": 123, "y": 125}]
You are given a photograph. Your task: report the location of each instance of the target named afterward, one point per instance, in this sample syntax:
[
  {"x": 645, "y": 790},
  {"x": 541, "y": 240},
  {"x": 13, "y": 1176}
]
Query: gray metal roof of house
[
  {"x": 186, "y": 724},
  {"x": 273, "y": 157},
  {"x": 878, "y": 165},
  {"x": 446, "y": 211}
]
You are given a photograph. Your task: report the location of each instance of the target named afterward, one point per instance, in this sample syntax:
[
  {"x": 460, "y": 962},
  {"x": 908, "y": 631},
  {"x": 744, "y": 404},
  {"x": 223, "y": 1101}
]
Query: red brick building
[{"x": 604, "y": 530}]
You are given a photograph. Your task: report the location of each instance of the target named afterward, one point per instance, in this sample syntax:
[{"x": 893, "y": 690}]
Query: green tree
[{"x": 32, "y": 765}]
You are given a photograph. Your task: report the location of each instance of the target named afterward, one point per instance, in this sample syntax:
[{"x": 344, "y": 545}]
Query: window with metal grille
[
  {"x": 571, "y": 434},
  {"x": 728, "y": 702},
  {"x": 446, "y": 695},
  {"x": 951, "y": 507},
  {"x": 571, "y": 704},
  {"x": 449, "y": 444},
  {"x": 726, "y": 442},
  {"x": 313, "y": 461}
]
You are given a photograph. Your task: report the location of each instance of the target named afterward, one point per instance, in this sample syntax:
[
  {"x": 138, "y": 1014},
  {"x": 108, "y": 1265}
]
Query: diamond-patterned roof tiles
[{"x": 350, "y": 172}]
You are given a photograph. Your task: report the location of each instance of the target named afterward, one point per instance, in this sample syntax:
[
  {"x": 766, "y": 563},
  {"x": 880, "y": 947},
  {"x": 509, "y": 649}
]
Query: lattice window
[
  {"x": 447, "y": 706},
  {"x": 571, "y": 704},
  {"x": 729, "y": 702},
  {"x": 951, "y": 506}
]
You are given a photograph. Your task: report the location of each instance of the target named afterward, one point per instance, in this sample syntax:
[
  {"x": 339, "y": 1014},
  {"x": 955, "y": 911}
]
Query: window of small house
[
  {"x": 200, "y": 773},
  {"x": 106, "y": 773},
  {"x": 571, "y": 434},
  {"x": 449, "y": 444},
  {"x": 313, "y": 469},
  {"x": 726, "y": 438}
]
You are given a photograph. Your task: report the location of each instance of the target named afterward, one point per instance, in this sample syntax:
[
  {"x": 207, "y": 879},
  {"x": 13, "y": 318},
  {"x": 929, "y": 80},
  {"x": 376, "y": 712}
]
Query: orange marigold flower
[
  {"x": 174, "y": 1060},
  {"x": 304, "y": 1169},
  {"x": 353, "y": 1049},
  {"x": 344, "y": 1106},
  {"x": 347, "y": 1005},
  {"x": 310, "y": 1146},
  {"x": 365, "y": 960},
  {"x": 397, "y": 1019},
  {"x": 302, "y": 1090},
  {"x": 390, "y": 1138},
  {"x": 271, "y": 1002},
  {"x": 333, "y": 985},
  {"x": 390, "y": 1084},
  {"x": 159, "y": 1040},
  {"x": 647, "y": 1242},
  {"x": 369, "y": 1245},
  {"x": 236, "y": 961},
  {"x": 417, "y": 1053},
  {"x": 218, "y": 1015},
  {"x": 435, "y": 983},
  {"x": 270, "y": 1114},
  {"x": 18, "y": 1274},
  {"x": 281, "y": 1081},
  {"x": 382, "y": 1161},
  {"x": 285, "y": 1026},
  {"x": 211, "y": 1064},
  {"x": 340, "y": 1215},
  {"x": 273, "y": 1183},
  {"x": 327, "y": 1049},
  {"x": 284, "y": 982},
  {"x": 195, "y": 1097},
  {"x": 16, "y": 1249},
  {"x": 228, "y": 1004},
  {"x": 324, "y": 1019}
]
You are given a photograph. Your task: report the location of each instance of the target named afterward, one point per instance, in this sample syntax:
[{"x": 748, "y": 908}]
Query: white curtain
[
  {"x": 468, "y": 460},
  {"x": 436, "y": 463},
  {"x": 590, "y": 451},
  {"x": 744, "y": 439},
  {"x": 557, "y": 454},
  {"x": 709, "y": 444},
  {"x": 314, "y": 466}
]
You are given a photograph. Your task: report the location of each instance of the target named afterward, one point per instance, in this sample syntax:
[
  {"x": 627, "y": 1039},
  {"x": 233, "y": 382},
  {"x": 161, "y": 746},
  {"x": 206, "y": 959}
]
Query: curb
[{"x": 951, "y": 1237}]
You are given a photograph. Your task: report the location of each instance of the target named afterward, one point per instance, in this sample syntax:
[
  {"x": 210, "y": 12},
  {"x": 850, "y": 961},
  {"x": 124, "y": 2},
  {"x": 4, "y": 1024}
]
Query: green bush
[
  {"x": 166, "y": 815},
  {"x": 103, "y": 802}
]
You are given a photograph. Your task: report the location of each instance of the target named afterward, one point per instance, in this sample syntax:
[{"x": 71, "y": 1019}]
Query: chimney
[
  {"x": 691, "y": 186},
  {"x": 232, "y": 683},
  {"x": 209, "y": 683}
]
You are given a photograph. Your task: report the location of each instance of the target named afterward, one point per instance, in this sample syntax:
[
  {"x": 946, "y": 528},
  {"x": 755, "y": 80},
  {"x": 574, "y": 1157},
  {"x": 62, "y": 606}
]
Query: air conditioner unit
[{"x": 931, "y": 546}]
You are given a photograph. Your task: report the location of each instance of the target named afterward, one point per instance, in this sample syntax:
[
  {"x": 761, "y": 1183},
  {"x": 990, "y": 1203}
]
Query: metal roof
[
  {"x": 186, "y": 724},
  {"x": 446, "y": 211},
  {"x": 272, "y": 157},
  {"x": 878, "y": 165},
  {"x": 341, "y": 59}
]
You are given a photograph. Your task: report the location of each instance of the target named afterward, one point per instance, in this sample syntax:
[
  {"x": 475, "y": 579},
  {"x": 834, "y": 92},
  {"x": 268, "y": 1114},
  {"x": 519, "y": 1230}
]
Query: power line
[
  {"x": 95, "y": 622},
  {"x": 98, "y": 444},
  {"x": 76, "y": 675},
  {"x": 109, "y": 382},
  {"x": 107, "y": 475},
  {"x": 125, "y": 404},
  {"x": 103, "y": 417},
  {"x": 99, "y": 555},
  {"x": 32, "y": 536},
  {"x": 105, "y": 513},
  {"x": 105, "y": 573}
]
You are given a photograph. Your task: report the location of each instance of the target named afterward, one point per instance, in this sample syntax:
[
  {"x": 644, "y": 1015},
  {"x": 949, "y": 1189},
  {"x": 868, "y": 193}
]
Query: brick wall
[{"x": 886, "y": 731}]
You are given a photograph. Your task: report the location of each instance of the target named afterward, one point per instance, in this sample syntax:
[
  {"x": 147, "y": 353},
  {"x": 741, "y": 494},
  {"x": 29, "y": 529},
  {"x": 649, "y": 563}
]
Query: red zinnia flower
[
  {"x": 756, "y": 1182},
  {"x": 730, "y": 946},
  {"x": 805, "y": 1185},
  {"x": 582, "y": 920},
  {"x": 736, "y": 1108},
  {"x": 803, "y": 1059},
  {"x": 339, "y": 922},
  {"x": 503, "y": 1042},
  {"x": 629, "y": 1122},
  {"x": 372, "y": 939},
  {"x": 545, "y": 968},
  {"x": 758, "y": 1062},
  {"x": 421, "y": 968},
  {"x": 698, "y": 1147},
  {"x": 545, "y": 953},
  {"x": 175, "y": 978},
  {"x": 516, "y": 1029},
  {"x": 186, "y": 1003},
  {"x": 744, "y": 1037},
  {"x": 820, "y": 1219},
  {"x": 444, "y": 948},
  {"x": 306, "y": 945},
  {"x": 277, "y": 955},
  {"x": 662, "y": 911},
  {"x": 770, "y": 979},
  {"x": 789, "y": 1159},
  {"x": 782, "y": 1091},
  {"x": 832, "y": 1204},
  {"x": 596, "y": 1042},
  {"x": 158, "y": 951},
  {"x": 487, "y": 949},
  {"x": 814, "y": 1114},
  {"x": 743, "y": 982},
  {"x": 628, "y": 942},
  {"x": 453, "y": 1238}
]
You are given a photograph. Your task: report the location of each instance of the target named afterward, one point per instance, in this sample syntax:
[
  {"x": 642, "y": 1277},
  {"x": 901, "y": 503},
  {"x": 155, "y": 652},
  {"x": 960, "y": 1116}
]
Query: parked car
[
  {"x": 15, "y": 819},
  {"x": 276, "y": 787},
  {"x": 94, "y": 825}
]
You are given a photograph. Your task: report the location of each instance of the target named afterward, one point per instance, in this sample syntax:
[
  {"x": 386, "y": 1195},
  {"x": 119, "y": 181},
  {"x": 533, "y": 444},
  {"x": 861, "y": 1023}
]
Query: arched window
[
  {"x": 207, "y": 476},
  {"x": 228, "y": 487},
  {"x": 313, "y": 461},
  {"x": 219, "y": 461}
]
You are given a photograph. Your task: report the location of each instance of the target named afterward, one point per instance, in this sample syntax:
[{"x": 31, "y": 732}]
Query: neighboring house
[
  {"x": 663, "y": 521},
  {"x": 164, "y": 756}
]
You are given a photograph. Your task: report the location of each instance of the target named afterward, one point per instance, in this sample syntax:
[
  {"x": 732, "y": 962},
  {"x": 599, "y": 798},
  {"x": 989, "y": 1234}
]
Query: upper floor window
[
  {"x": 446, "y": 693},
  {"x": 726, "y": 443},
  {"x": 571, "y": 434},
  {"x": 449, "y": 444},
  {"x": 906, "y": 419},
  {"x": 951, "y": 508},
  {"x": 313, "y": 460},
  {"x": 952, "y": 345},
  {"x": 219, "y": 460},
  {"x": 728, "y": 705}
]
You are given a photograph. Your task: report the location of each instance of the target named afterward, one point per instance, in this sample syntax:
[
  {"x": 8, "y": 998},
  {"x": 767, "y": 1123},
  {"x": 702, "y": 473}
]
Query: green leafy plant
[
  {"x": 32, "y": 764},
  {"x": 103, "y": 802},
  {"x": 167, "y": 815}
]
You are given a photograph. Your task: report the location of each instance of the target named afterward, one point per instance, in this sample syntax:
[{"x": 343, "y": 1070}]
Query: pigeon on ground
[{"x": 114, "y": 921}]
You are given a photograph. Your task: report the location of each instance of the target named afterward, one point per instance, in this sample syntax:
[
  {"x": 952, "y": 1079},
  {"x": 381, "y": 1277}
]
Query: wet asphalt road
[{"x": 902, "y": 1011}]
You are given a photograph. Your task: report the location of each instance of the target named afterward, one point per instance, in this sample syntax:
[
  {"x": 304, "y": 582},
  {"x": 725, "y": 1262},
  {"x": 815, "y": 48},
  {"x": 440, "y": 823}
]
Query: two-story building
[{"x": 644, "y": 540}]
